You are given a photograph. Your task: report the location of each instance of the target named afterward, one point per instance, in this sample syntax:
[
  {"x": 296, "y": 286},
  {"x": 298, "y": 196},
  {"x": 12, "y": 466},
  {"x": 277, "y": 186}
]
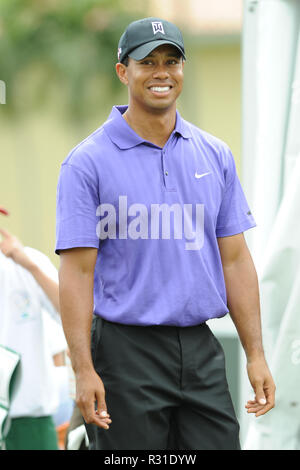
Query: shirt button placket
[{"x": 166, "y": 175}]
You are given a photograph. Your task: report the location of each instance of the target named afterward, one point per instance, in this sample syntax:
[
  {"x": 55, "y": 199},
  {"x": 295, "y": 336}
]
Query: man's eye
[
  {"x": 146, "y": 62},
  {"x": 173, "y": 62}
]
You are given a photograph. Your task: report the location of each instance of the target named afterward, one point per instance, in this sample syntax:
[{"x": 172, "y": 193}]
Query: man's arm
[
  {"x": 244, "y": 307},
  {"x": 13, "y": 248},
  {"x": 76, "y": 294}
]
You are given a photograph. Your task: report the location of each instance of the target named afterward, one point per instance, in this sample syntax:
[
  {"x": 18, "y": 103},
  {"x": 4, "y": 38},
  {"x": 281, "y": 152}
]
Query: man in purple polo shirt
[{"x": 150, "y": 222}]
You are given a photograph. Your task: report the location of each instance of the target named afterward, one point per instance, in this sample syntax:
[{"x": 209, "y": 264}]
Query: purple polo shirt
[{"x": 154, "y": 214}]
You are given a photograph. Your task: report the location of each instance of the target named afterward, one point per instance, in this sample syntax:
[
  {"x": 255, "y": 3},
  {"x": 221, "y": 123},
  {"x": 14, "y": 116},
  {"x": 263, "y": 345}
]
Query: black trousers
[{"x": 165, "y": 388}]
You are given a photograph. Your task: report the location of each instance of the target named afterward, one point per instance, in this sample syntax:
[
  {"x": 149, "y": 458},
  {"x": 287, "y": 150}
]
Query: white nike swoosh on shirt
[{"x": 200, "y": 176}]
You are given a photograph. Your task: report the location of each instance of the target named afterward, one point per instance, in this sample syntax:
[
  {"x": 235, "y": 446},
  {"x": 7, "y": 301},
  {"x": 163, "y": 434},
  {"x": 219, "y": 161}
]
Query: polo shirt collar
[{"x": 124, "y": 136}]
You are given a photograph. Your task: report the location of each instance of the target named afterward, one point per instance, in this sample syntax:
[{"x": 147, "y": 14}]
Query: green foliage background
[{"x": 69, "y": 44}]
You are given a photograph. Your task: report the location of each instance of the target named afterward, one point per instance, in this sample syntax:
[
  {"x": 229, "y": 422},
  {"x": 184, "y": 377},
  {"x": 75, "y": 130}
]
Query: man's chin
[{"x": 161, "y": 105}]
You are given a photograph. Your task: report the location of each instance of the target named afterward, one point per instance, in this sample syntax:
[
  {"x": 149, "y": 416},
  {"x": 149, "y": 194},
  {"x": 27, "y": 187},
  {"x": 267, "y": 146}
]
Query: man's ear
[{"x": 121, "y": 70}]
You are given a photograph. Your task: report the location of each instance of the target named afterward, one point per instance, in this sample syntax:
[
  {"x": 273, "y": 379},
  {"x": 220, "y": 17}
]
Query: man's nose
[{"x": 160, "y": 72}]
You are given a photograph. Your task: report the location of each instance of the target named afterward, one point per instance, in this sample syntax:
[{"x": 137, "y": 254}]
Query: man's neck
[{"x": 155, "y": 128}]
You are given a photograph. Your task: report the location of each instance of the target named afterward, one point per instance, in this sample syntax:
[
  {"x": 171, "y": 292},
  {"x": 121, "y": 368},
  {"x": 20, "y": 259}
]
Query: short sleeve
[
  {"x": 234, "y": 215},
  {"x": 76, "y": 206}
]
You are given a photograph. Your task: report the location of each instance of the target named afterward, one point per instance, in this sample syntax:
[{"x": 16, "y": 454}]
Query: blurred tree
[{"x": 66, "y": 42}]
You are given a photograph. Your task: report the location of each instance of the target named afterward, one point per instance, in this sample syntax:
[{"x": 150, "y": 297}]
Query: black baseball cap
[{"x": 142, "y": 36}]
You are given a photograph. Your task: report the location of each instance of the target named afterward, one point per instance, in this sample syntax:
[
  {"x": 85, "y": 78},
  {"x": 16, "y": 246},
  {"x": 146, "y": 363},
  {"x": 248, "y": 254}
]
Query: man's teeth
[{"x": 160, "y": 88}]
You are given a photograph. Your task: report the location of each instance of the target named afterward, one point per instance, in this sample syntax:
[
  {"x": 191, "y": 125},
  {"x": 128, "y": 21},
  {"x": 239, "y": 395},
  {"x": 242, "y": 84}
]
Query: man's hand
[
  {"x": 76, "y": 285},
  {"x": 263, "y": 386},
  {"x": 243, "y": 303},
  {"x": 90, "y": 389},
  {"x": 13, "y": 248}
]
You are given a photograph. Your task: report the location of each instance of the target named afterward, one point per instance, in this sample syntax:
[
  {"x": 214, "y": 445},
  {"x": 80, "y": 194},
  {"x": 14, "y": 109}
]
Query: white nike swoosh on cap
[{"x": 197, "y": 175}]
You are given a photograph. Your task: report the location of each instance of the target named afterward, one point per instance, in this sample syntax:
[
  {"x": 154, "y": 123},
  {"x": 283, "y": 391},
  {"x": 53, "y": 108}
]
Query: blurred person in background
[
  {"x": 152, "y": 361},
  {"x": 65, "y": 407},
  {"x": 30, "y": 325}
]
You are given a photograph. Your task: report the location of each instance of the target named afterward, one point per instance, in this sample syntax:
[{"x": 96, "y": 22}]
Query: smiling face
[{"x": 155, "y": 82}]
